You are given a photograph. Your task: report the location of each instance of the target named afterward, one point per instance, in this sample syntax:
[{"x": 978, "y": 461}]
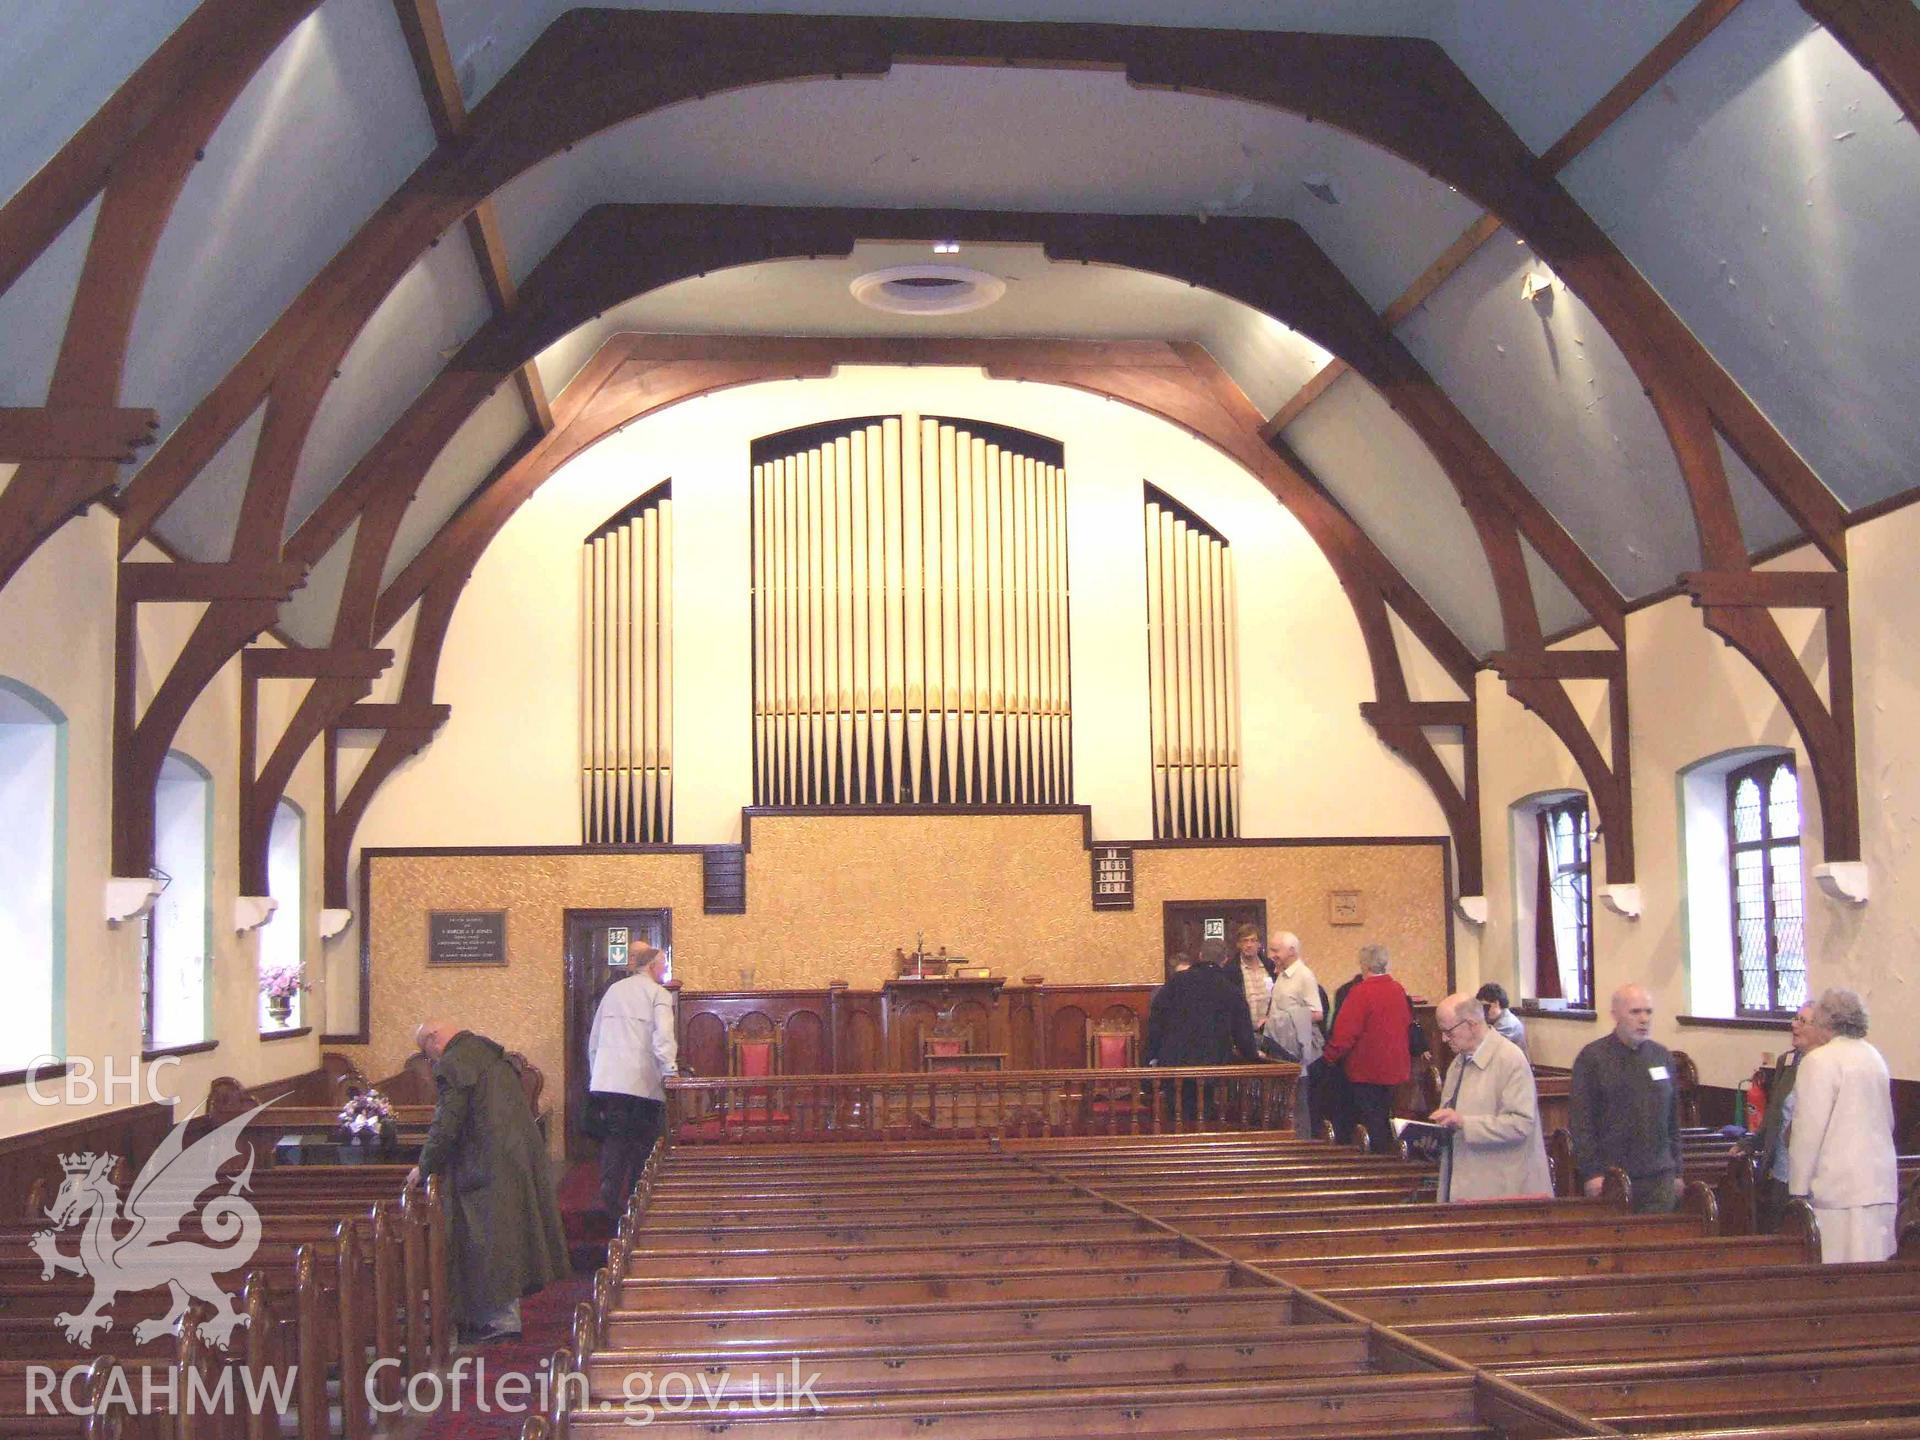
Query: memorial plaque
[{"x": 466, "y": 937}]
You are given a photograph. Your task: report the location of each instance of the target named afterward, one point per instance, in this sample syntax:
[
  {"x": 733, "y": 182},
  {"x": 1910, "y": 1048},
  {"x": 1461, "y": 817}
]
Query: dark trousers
[
  {"x": 1656, "y": 1194},
  {"x": 1373, "y": 1108},
  {"x": 633, "y": 1125}
]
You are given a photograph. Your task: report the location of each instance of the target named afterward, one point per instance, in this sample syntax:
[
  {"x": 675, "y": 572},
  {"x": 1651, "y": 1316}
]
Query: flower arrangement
[
  {"x": 368, "y": 1115},
  {"x": 282, "y": 982}
]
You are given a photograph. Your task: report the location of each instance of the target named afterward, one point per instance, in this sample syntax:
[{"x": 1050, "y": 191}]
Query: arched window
[
  {"x": 1553, "y": 882},
  {"x": 1769, "y": 910},
  {"x": 32, "y": 876},
  {"x": 180, "y": 927},
  {"x": 283, "y": 955}
]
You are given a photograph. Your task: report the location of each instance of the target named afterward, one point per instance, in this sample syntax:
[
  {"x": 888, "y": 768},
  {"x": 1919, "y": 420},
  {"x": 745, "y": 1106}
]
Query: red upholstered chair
[
  {"x": 754, "y": 1057},
  {"x": 1114, "y": 1045},
  {"x": 944, "y": 1038}
]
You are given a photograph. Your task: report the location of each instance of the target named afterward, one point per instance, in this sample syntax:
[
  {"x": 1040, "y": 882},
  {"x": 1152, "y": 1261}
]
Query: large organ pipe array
[
  {"x": 1192, "y": 679},
  {"x": 626, "y": 676},
  {"x": 910, "y": 615}
]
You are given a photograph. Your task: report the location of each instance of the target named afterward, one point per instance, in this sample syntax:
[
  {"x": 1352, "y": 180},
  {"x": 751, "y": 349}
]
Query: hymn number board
[{"x": 1113, "y": 877}]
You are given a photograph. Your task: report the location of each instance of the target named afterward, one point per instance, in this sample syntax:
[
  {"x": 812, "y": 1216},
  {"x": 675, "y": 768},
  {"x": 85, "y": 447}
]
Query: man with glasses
[{"x": 1490, "y": 1106}]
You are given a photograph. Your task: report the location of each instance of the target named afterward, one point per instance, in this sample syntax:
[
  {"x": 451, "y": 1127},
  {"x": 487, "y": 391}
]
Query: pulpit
[{"x": 964, "y": 1015}]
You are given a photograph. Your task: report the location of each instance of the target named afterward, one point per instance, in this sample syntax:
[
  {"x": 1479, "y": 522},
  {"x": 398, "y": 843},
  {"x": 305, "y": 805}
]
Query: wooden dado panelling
[
  {"x": 843, "y": 1031},
  {"x": 132, "y": 1134}
]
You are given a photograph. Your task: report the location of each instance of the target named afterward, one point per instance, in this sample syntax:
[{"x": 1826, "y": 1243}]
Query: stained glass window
[
  {"x": 1769, "y": 910},
  {"x": 1570, "y": 844}
]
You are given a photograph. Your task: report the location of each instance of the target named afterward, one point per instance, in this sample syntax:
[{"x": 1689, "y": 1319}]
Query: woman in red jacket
[{"x": 1369, "y": 1043}]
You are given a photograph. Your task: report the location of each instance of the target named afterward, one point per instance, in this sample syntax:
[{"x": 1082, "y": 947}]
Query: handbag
[{"x": 1417, "y": 1042}]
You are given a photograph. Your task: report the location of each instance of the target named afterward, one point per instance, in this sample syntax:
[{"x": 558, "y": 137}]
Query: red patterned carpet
[{"x": 547, "y": 1321}]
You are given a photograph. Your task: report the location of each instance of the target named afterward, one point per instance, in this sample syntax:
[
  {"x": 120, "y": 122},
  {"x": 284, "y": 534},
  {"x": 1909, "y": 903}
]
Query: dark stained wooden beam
[
  {"x": 138, "y": 149},
  {"x": 1558, "y": 664},
  {"x": 1452, "y": 714},
  {"x": 274, "y": 664},
  {"x": 393, "y": 716},
  {"x": 1768, "y": 589},
  {"x": 191, "y": 580},
  {"x": 80, "y": 432},
  {"x": 1884, "y": 36}
]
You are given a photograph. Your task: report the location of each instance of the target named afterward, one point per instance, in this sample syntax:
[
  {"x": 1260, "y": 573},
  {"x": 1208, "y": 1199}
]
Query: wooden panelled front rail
[{"x": 1141, "y": 1101}]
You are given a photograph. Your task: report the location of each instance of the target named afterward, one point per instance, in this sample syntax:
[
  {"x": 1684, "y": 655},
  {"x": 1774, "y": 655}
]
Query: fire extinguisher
[{"x": 1756, "y": 1096}]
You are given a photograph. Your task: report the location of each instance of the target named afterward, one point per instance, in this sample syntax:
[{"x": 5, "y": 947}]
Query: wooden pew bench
[{"x": 1784, "y": 1384}]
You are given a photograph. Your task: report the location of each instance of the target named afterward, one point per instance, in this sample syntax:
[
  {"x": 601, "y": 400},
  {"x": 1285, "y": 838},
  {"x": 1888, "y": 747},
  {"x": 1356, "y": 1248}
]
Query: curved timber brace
[
  {"x": 1736, "y": 605},
  {"x": 1538, "y": 679}
]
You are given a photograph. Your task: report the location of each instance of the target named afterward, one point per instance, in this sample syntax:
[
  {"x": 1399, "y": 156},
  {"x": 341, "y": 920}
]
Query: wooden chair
[
  {"x": 1113, "y": 1045},
  {"x": 945, "y": 1037},
  {"x": 755, "y": 1057}
]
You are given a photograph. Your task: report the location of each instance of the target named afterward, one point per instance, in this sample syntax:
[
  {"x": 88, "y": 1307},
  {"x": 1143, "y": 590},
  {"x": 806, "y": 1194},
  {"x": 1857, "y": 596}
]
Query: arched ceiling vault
[{"x": 591, "y": 71}]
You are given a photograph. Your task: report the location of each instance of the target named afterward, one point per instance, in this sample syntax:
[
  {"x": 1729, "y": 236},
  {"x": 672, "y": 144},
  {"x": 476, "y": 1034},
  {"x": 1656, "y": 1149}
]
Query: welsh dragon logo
[{"x": 158, "y": 1239}]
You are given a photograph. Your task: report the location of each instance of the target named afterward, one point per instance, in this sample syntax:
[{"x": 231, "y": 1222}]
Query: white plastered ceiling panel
[
  {"x": 1551, "y": 392},
  {"x": 33, "y": 313},
  {"x": 1389, "y": 482},
  {"x": 319, "y": 139},
  {"x": 1545, "y": 63},
  {"x": 476, "y": 448},
  {"x": 964, "y": 137},
  {"x": 1043, "y": 299},
  {"x": 1770, "y": 189},
  {"x": 436, "y": 306},
  {"x": 200, "y": 524},
  {"x": 67, "y": 57}
]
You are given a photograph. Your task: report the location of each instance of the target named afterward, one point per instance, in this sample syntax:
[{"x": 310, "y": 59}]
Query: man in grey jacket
[{"x": 631, "y": 1051}]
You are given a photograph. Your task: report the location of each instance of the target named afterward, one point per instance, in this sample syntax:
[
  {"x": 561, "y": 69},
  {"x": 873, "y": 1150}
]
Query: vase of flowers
[
  {"x": 278, "y": 986},
  {"x": 367, "y": 1120}
]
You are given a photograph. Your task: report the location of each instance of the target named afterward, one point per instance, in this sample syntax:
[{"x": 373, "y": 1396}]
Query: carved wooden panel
[
  {"x": 806, "y": 1052},
  {"x": 703, "y": 1044}
]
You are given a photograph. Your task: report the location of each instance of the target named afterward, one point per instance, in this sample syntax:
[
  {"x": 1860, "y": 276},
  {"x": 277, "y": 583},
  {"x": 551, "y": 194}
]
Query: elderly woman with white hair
[{"x": 1840, "y": 1151}]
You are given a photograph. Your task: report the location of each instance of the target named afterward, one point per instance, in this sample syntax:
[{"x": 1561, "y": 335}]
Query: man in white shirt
[
  {"x": 631, "y": 1051},
  {"x": 1255, "y": 981},
  {"x": 1501, "y": 1018},
  {"x": 1294, "y": 1021}
]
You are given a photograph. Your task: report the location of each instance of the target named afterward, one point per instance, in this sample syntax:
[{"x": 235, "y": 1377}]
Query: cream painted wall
[
  {"x": 56, "y": 635},
  {"x": 1311, "y": 766},
  {"x": 1694, "y": 697}
]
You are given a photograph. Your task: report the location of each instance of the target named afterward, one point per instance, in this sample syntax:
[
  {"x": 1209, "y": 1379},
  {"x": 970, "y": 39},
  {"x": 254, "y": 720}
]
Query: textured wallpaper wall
[{"x": 829, "y": 897}]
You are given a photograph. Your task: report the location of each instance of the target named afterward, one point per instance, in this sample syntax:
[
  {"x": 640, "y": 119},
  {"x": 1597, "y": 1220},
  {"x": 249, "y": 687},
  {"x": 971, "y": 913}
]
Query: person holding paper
[
  {"x": 1491, "y": 1109},
  {"x": 1625, "y": 1107}
]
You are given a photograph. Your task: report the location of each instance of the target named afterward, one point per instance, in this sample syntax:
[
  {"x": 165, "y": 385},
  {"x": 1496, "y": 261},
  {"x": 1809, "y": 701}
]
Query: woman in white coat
[{"x": 1840, "y": 1153}]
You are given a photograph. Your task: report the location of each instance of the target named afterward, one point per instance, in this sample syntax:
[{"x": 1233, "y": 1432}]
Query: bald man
[
  {"x": 503, "y": 1224},
  {"x": 1626, "y": 1107}
]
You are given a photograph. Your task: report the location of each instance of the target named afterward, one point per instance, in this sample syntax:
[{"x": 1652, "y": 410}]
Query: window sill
[
  {"x": 170, "y": 1052},
  {"x": 35, "y": 1073},
  {"x": 1735, "y": 1022},
  {"x": 1528, "y": 1012},
  {"x": 266, "y": 1035}
]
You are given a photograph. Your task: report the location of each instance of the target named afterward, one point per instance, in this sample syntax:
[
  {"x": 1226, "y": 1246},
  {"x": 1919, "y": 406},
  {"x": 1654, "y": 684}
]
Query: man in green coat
[{"x": 503, "y": 1222}]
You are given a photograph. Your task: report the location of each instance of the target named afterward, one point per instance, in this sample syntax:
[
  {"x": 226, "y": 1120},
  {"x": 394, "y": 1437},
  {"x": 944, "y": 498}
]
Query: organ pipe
[
  {"x": 1192, "y": 676},
  {"x": 910, "y": 616},
  {"x": 626, "y": 682}
]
